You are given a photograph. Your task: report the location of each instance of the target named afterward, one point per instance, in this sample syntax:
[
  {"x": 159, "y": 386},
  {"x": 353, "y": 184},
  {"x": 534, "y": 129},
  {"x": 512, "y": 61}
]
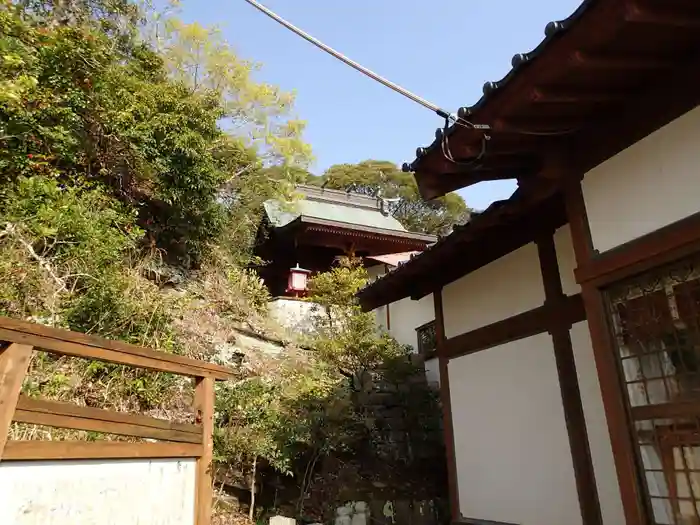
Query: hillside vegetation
[{"x": 135, "y": 154}]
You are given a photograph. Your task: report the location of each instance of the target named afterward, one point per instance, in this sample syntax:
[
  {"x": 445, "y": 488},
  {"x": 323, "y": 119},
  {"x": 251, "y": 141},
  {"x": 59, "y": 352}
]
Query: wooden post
[
  {"x": 446, "y": 401},
  {"x": 577, "y": 431},
  {"x": 613, "y": 401},
  {"x": 204, "y": 409},
  {"x": 14, "y": 362}
]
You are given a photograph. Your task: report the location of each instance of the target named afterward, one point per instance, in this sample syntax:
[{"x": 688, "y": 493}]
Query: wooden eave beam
[
  {"x": 598, "y": 26},
  {"x": 658, "y": 17},
  {"x": 540, "y": 125},
  {"x": 617, "y": 62},
  {"x": 494, "y": 167},
  {"x": 605, "y": 17},
  {"x": 567, "y": 96},
  {"x": 506, "y": 234},
  {"x": 638, "y": 117}
]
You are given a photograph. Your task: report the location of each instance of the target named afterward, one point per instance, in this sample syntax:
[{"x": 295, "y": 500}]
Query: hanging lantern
[{"x": 298, "y": 278}]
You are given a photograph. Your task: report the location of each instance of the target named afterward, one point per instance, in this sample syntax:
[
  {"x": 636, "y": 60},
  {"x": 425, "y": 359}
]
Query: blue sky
[{"x": 442, "y": 50}]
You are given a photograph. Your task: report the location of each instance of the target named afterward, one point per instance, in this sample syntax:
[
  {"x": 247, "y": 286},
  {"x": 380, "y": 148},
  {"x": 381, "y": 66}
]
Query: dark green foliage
[
  {"x": 111, "y": 166},
  {"x": 78, "y": 108},
  {"x": 385, "y": 179}
]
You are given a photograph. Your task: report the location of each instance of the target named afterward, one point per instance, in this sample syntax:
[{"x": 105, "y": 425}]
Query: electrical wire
[
  {"x": 365, "y": 71},
  {"x": 449, "y": 117}
]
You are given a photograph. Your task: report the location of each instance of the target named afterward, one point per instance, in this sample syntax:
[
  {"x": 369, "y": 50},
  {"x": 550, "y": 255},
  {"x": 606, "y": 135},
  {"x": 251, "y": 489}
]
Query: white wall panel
[
  {"x": 651, "y": 184},
  {"x": 506, "y": 287},
  {"x": 512, "y": 449},
  {"x": 597, "y": 426},
  {"x": 87, "y": 492}
]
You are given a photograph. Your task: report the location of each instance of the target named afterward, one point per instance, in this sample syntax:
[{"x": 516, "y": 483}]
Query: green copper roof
[{"x": 332, "y": 205}]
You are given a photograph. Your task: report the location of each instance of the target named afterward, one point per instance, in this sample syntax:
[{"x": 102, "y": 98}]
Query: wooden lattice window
[
  {"x": 655, "y": 321},
  {"x": 427, "y": 340}
]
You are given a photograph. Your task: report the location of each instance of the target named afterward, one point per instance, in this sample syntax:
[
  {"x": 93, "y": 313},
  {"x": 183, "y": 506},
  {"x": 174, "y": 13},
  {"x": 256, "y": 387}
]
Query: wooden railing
[{"x": 18, "y": 339}]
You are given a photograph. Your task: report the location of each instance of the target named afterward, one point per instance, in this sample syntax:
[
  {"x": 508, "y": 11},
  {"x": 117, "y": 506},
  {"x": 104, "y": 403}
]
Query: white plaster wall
[
  {"x": 597, "y": 426},
  {"x": 294, "y": 315},
  {"x": 432, "y": 372},
  {"x": 512, "y": 451},
  {"x": 506, "y": 287},
  {"x": 651, "y": 184},
  {"x": 406, "y": 315},
  {"x": 116, "y": 492},
  {"x": 566, "y": 259},
  {"x": 374, "y": 272},
  {"x": 381, "y": 318}
]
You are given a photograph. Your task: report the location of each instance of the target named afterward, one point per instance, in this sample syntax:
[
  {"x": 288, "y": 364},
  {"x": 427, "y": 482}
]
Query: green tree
[
  {"x": 286, "y": 421},
  {"x": 85, "y": 98},
  {"x": 385, "y": 179},
  {"x": 201, "y": 59},
  {"x": 344, "y": 336}
]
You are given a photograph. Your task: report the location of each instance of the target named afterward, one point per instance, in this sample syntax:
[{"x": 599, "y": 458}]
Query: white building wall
[
  {"x": 597, "y": 426},
  {"x": 566, "y": 260},
  {"x": 432, "y": 371},
  {"x": 651, "y": 184},
  {"x": 512, "y": 450},
  {"x": 374, "y": 273},
  {"x": 87, "y": 492},
  {"x": 406, "y": 315},
  {"x": 591, "y": 397},
  {"x": 506, "y": 287}
]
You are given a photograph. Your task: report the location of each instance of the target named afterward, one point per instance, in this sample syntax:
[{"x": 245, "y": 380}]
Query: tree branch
[{"x": 11, "y": 230}]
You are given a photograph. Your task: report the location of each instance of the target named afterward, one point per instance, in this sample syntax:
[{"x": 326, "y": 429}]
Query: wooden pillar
[
  {"x": 560, "y": 327},
  {"x": 604, "y": 353},
  {"x": 204, "y": 410},
  {"x": 447, "y": 428},
  {"x": 14, "y": 363}
]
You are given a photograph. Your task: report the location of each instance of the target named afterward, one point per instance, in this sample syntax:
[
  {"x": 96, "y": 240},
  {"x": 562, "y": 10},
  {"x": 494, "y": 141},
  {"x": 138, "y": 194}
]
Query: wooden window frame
[
  {"x": 428, "y": 353},
  {"x": 594, "y": 272}
]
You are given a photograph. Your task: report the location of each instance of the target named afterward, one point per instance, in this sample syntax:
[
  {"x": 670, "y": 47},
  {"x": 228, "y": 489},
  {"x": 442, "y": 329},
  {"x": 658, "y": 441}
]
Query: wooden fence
[{"x": 176, "y": 440}]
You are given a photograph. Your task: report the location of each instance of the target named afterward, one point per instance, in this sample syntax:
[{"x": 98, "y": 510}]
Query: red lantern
[{"x": 296, "y": 284}]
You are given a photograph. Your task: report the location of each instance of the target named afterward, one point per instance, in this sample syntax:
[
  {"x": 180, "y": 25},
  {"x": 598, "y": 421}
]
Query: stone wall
[
  {"x": 400, "y": 472},
  {"x": 294, "y": 315}
]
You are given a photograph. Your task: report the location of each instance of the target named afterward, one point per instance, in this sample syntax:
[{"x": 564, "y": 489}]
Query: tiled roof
[
  {"x": 552, "y": 31},
  {"x": 434, "y": 263},
  {"x": 332, "y": 205}
]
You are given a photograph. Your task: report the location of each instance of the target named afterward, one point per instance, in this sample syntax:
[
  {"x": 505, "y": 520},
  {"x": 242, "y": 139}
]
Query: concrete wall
[
  {"x": 506, "y": 287},
  {"x": 512, "y": 450},
  {"x": 651, "y": 184},
  {"x": 292, "y": 314},
  {"x": 119, "y": 492}
]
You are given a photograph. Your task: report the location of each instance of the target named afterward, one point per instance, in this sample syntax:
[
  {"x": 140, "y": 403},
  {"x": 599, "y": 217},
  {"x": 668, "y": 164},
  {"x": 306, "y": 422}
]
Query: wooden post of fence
[
  {"x": 14, "y": 362},
  {"x": 204, "y": 409}
]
